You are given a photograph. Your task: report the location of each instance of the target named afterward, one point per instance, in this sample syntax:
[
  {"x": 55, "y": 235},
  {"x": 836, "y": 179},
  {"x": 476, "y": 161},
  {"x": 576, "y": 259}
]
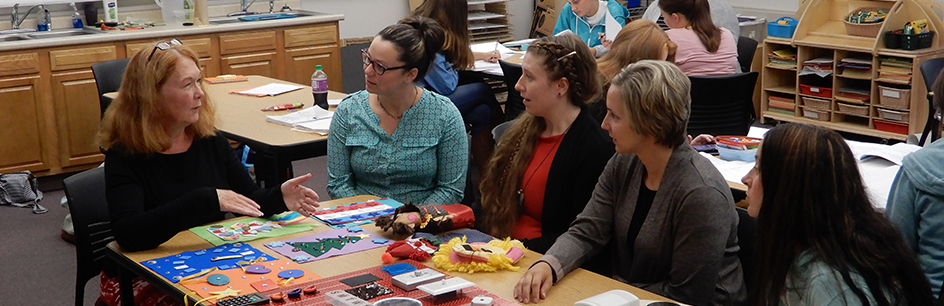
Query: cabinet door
[
  {"x": 75, "y": 100},
  {"x": 23, "y": 127},
  {"x": 203, "y": 46},
  {"x": 300, "y": 64},
  {"x": 250, "y": 64}
]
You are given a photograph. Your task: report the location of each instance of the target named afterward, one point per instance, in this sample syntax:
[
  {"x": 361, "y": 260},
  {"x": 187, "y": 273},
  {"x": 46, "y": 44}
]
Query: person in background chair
[
  {"x": 703, "y": 47},
  {"x": 167, "y": 168},
  {"x": 587, "y": 19},
  {"x": 916, "y": 202},
  {"x": 395, "y": 139},
  {"x": 667, "y": 209},
  {"x": 819, "y": 239}
]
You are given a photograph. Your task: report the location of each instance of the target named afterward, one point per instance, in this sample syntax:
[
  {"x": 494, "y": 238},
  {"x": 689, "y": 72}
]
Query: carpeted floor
[{"x": 38, "y": 268}]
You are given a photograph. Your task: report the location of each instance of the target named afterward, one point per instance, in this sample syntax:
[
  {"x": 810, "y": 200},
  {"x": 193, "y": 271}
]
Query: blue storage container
[{"x": 781, "y": 30}]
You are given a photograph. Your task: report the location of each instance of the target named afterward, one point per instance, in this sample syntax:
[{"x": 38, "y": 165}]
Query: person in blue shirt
[
  {"x": 587, "y": 19},
  {"x": 395, "y": 139},
  {"x": 819, "y": 238},
  {"x": 474, "y": 99}
]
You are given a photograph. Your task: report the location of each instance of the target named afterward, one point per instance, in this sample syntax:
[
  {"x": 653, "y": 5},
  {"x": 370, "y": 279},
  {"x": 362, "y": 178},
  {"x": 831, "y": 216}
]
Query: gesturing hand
[
  {"x": 237, "y": 203},
  {"x": 534, "y": 284},
  {"x": 299, "y": 198}
]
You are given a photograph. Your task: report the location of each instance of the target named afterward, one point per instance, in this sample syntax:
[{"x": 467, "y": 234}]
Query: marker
[{"x": 283, "y": 107}]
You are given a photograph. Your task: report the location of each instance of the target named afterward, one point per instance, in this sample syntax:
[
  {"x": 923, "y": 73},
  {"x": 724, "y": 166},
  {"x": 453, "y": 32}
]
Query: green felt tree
[{"x": 318, "y": 248}]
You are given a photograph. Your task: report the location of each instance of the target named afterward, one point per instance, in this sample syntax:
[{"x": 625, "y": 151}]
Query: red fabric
[
  {"x": 533, "y": 185},
  {"x": 145, "y": 294}
]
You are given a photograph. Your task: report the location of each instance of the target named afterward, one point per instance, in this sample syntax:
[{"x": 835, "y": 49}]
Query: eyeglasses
[
  {"x": 164, "y": 45},
  {"x": 378, "y": 68}
]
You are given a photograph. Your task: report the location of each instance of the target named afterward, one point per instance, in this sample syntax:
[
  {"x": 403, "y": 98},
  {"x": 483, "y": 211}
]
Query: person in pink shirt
[{"x": 703, "y": 47}]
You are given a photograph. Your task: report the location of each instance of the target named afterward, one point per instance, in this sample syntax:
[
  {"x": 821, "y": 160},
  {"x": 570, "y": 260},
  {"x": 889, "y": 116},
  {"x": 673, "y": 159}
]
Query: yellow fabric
[{"x": 496, "y": 262}]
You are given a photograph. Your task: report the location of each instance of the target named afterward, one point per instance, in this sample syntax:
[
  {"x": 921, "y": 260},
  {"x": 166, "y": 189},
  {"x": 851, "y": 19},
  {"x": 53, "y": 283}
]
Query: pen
[
  {"x": 283, "y": 107},
  {"x": 494, "y": 51}
]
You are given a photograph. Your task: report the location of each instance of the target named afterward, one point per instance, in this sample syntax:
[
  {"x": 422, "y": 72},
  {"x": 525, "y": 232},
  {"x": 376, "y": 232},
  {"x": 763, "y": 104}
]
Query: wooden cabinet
[
  {"x": 49, "y": 98},
  {"x": 856, "y": 100}
]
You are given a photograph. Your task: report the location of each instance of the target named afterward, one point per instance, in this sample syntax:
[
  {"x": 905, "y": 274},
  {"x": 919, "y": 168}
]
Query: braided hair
[
  {"x": 562, "y": 57},
  {"x": 418, "y": 39}
]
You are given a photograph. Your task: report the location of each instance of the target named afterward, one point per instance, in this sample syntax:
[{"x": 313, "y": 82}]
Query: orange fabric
[
  {"x": 533, "y": 184},
  {"x": 201, "y": 287}
]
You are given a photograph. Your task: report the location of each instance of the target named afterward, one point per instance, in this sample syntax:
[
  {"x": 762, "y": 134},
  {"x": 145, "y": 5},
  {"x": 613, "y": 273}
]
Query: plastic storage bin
[
  {"x": 782, "y": 30},
  {"x": 731, "y": 154},
  {"x": 893, "y": 127},
  {"x": 816, "y": 103},
  {"x": 893, "y": 115},
  {"x": 816, "y": 114},
  {"x": 822, "y": 92},
  {"x": 899, "y": 98},
  {"x": 896, "y": 40},
  {"x": 852, "y": 109}
]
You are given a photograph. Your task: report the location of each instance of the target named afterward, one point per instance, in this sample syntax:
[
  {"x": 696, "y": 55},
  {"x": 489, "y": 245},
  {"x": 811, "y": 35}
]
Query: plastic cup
[{"x": 182, "y": 16}]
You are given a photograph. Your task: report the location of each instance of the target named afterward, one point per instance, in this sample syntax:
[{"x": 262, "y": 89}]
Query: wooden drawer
[
  {"x": 316, "y": 35},
  {"x": 15, "y": 64},
  {"x": 247, "y": 42},
  {"x": 202, "y": 46},
  {"x": 80, "y": 57}
]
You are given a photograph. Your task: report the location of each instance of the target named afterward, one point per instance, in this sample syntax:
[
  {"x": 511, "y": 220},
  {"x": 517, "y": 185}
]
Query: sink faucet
[
  {"x": 244, "y": 5},
  {"x": 15, "y": 20},
  {"x": 271, "y": 6}
]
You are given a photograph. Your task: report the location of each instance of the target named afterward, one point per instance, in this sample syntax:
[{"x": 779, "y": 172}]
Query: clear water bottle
[{"x": 319, "y": 87}]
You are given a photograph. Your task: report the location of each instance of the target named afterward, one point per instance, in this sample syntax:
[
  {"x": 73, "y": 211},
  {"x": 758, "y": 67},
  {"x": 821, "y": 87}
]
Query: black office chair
[
  {"x": 722, "y": 104},
  {"x": 747, "y": 237},
  {"x": 746, "y": 48},
  {"x": 86, "y": 194},
  {"x": 930, "y": 70},
  {"x": 108, "y": 76},
  {"x": 514, "y": 106}
]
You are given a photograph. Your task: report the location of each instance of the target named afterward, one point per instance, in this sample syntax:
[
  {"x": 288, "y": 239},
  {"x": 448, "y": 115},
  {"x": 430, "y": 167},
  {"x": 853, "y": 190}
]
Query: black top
[
  {"x": 643, "y": 204},
  {"x": 581, "y": 157},
  {"x": 151, "y": 197}
]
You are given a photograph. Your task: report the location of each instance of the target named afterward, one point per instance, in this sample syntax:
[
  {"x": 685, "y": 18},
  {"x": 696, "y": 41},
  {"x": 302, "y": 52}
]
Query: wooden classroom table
[
  {"x": 240, "y": 118},
  {"x": 575, "y": 286}
]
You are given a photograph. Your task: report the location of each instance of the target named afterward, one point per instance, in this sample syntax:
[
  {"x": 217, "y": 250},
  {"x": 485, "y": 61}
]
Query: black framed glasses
[
  {"x": 378, "y": 68},
  {"x": 164, "y": 45}
]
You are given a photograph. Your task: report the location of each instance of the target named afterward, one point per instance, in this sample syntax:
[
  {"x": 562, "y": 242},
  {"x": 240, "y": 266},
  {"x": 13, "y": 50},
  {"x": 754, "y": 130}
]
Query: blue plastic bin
[{"x": 780, "y": 30}]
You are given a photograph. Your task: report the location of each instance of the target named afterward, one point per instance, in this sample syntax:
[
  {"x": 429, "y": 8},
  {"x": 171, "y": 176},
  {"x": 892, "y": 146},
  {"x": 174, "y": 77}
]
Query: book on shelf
[
  {"x": 292, "y": 119},
  {"x": 783, "y": 54},
  {"x": 901, "y": 78},
  {"x": 896, "y": 70}
]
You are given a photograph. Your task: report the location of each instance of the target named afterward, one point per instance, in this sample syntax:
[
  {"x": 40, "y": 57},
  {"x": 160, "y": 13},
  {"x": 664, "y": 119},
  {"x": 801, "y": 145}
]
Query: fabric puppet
[
  {"x": 430, "y": 218},
  {"x": 457, "y": 255}
]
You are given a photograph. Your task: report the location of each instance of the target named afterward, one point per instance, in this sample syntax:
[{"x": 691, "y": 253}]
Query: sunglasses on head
[{"x": 164, "y": 45}]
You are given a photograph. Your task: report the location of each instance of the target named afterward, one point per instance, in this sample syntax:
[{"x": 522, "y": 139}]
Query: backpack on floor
[{"x": 21, "y": 189}]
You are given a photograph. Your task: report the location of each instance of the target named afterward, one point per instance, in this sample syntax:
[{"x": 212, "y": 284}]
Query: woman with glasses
[
  {"x": 666, "y": 209},
  {"x": 548, "y": 161},
  {"x": 166, "y": 167},
  {"x": 820, "y": 241},
  {"x": 395, "y": 139}
]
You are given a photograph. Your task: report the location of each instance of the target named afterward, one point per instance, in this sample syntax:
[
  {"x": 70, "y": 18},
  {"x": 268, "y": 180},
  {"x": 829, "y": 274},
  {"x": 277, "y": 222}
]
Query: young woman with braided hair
[
  {"x": 666, "y": 209},
  {"x": 548, "y": 161}
]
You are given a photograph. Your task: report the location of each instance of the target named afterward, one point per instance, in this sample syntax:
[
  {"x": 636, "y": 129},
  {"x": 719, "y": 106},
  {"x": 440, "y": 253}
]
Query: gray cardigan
[{"x": 687, "y": 247}]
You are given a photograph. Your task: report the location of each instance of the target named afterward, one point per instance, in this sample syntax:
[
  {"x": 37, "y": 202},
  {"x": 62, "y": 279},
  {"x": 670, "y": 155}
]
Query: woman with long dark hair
[
  {"x": 703, "y": 47},
  {"x": 820, "y": 241}
]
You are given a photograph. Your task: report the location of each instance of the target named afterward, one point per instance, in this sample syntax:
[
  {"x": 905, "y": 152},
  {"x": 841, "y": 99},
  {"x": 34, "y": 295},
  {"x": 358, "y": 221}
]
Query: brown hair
[
  {"x": 453, "y": 16},
  {"x": 657, "y": 97},
  {"x": 698, "y": 12},
  {"x": 638, "y": 40},
  {"x": 418, "y": 39},
  {"x": 135, "y": 119},
  {"x": 502, "y": 178}
]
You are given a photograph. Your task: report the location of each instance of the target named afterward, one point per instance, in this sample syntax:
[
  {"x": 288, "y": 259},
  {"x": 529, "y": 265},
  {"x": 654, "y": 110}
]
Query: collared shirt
[{"x": 425, "y": 160}]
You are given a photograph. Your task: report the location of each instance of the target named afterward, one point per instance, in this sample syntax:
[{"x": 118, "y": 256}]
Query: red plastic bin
[
  {"x": 816, "y": 91},
  {"x": 893, "y": 127}
]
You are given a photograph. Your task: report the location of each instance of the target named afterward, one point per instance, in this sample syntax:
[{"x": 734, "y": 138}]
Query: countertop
[{"x": 166, "y": 31}]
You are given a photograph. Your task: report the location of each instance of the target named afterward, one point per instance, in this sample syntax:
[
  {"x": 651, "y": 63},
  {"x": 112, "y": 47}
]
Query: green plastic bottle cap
[{"x": 317, "y": 67}]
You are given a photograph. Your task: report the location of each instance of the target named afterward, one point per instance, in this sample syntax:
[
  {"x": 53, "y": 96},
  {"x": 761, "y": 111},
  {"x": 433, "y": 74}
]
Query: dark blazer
[{"x": 581, "y": 157}]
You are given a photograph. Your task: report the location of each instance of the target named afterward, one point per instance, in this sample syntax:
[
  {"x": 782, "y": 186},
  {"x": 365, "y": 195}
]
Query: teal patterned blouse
[{"x": 424, "y": 161}]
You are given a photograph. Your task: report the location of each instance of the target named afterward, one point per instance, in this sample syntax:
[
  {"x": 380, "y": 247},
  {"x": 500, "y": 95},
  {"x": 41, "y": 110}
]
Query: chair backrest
[
  {"x": 930, "y": 69},
  {"x": 746, "y": 48},
  {"x": 500, "y": 129},
  {"x": 515, "y": 104},
  {"x": 722, "y": 104},
  {"x": 747, "y": 237},
  {"x": 108, "y": 76},
  {"x": 85, "y": 192}
]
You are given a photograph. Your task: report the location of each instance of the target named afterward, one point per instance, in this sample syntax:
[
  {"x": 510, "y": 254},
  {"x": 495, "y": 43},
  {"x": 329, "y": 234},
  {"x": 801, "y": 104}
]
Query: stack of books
[
  {"x": 856, "y": 68},
  {"x": 853, "y": 94},
  {"x": 311, "y": 120},
  {"x": 786, "y": 58},
  {"x": 821, "y": 66},
  {"x": 894, "y": 70}
]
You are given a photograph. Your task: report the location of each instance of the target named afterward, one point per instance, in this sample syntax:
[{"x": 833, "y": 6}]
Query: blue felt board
[{"x": 199, "y": 260}]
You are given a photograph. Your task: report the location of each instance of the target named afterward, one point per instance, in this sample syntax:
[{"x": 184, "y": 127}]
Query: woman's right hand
[
  {"x": 533, "y": 286},
  {"x": 236, "y": 203}
]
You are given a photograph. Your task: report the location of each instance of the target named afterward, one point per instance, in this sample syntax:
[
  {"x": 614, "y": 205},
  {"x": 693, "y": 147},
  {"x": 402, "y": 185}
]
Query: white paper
[
  {"x": 317, "y": 126},
  {"x": 894, "y": 153},
  {"x": 492, "y": 46},
  {"x": 732, "y": 171},
  {"x": 334, "y": 102},
  {"x": 304, "y": 115},
  {"x": 519, "y": 42},
  {"x": 612, "y": 27},
  {"x": 271, "y": 89}
]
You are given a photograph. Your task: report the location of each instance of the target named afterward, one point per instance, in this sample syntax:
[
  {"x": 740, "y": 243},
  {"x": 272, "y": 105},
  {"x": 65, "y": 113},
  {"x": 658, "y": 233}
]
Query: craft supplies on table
[
  {"x": 249, "y": 229},
  {"x": 357, "y": 213},
  {"x": 257, "y": 277},
  {"x": 191, "y": 263},
  {"x": 327, "y": 244}
]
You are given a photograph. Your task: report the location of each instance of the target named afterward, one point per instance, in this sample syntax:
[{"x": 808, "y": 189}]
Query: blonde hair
[
  {"x": 657, "y": 98},
  {"x": 563, "y": 57},
  {"x": 638, "y": 40},
  {"x": 453, "y": 16},
  {"x": 135, "y": 120}
]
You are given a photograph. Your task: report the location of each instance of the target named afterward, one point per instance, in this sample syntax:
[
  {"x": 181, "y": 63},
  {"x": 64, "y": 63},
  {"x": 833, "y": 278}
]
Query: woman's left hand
[{"x": 299, "y": 198}]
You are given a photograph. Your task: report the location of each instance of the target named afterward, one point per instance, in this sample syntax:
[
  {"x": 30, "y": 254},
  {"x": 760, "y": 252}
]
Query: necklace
[
  {"x": 401, "y": 114},
  {"x": 528, "y": 181}
]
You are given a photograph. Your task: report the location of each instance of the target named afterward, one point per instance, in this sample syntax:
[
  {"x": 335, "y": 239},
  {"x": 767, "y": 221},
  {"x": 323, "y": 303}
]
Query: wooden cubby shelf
[{"x": 852, "y": 98}]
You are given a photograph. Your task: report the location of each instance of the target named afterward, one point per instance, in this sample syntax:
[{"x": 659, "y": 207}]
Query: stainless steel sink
[
  {"x": 235, "y": 19},
  {"x": 62, "y": 33},
  {"x": 12, "y": 38}
]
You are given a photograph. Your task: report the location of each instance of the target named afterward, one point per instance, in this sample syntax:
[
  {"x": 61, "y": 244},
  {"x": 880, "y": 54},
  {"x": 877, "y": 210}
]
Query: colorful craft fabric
[
  {"x": 248, "y": 229},
  {"x": 222, "y": 257},
  {"x": 326, "y": 244}
]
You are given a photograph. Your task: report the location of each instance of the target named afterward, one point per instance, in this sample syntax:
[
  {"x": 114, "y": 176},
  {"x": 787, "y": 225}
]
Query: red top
[{"x": 533, "y": 185}]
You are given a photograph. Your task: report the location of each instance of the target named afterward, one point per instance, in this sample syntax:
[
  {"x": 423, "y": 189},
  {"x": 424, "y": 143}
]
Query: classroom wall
[{"x": 362, "y": 18}]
